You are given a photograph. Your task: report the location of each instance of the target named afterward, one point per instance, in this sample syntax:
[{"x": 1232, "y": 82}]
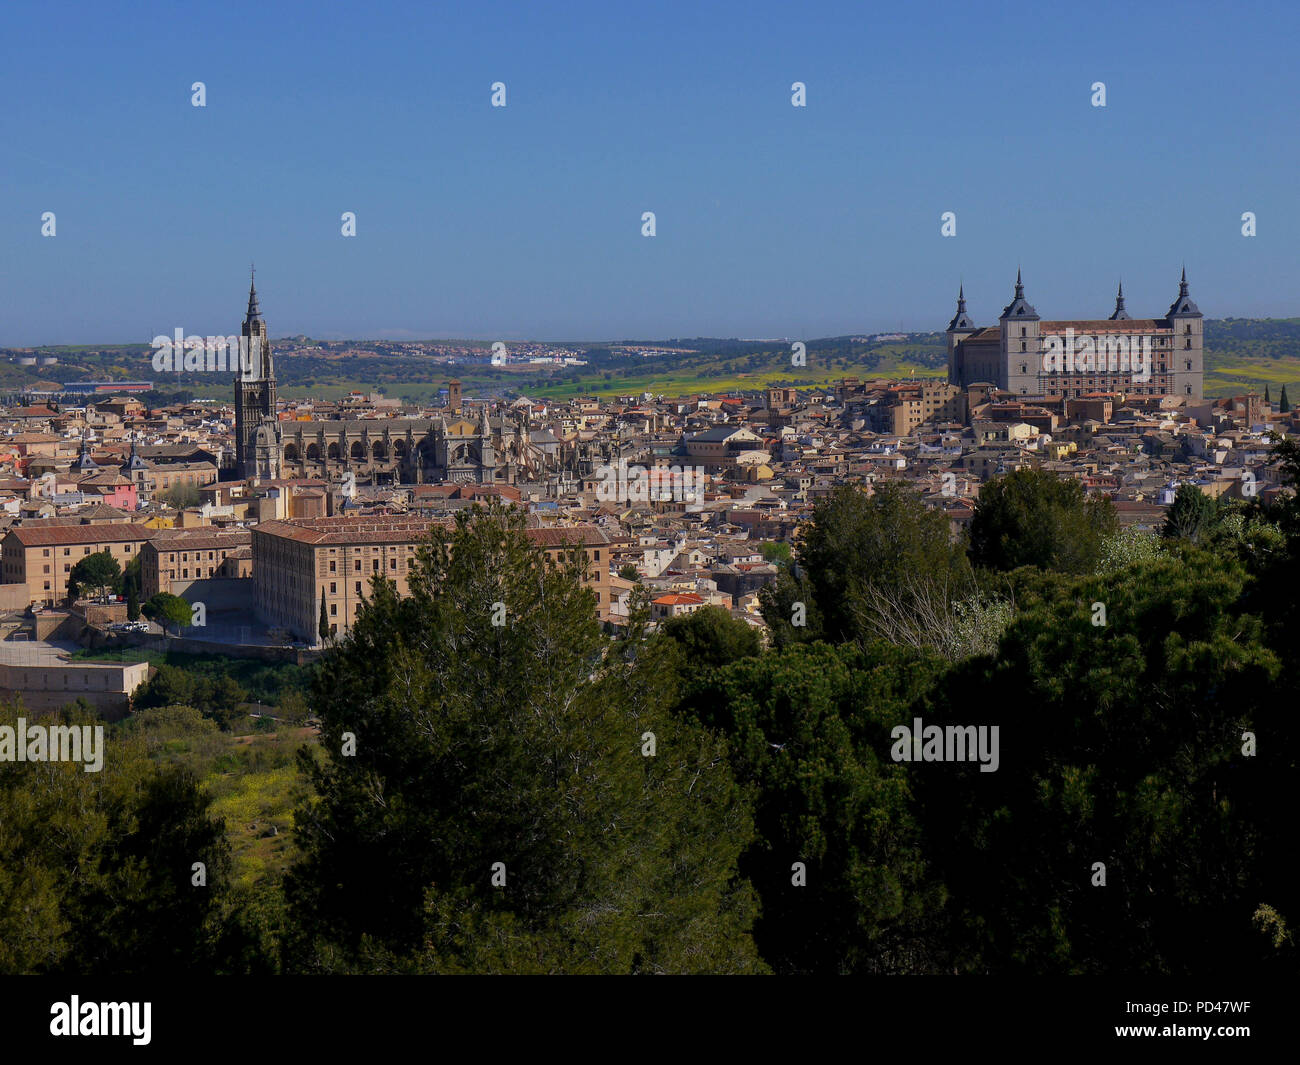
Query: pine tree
[
  {"x": 499, "y": 734},
  {"x": 1192, "y": 516},
  {"x": 324, "y": 619}
]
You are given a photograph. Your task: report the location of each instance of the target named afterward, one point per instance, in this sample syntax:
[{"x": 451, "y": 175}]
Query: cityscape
[{"x": 708, "y": 498}]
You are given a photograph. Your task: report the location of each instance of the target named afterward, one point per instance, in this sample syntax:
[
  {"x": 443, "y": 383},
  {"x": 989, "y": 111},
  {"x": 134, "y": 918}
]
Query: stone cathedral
[{"x": 453, "y": 446}]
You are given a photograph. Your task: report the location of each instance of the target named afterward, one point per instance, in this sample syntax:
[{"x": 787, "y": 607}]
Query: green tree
[
  {"x": 1034, "y": 518},
  {"x": 628, "y": 572},
  {"x": 132, "y": 604},
  {"x": 857, "y": 544},
  {"x": 98, "y": 574},
  {"x": 808, "y": 730},
  {"x": 131, "y": 579},
  {"x": 1120, "y": 744},
  {"x": 789, "y": 610},
  {"x": 168, "y": 609},
  {"x": 711, "y": 637},
  {"x": 292, "y": 708},
  {"x": 181, "y": 495},
  {"x": 519, "y": 743},
  {"x": 169, "y": 686},
  {"x": 1193, "y": 515},
  {"x": 776, "y": 552},
  {"x": 1284, "y": 405},
  {"x": 323, "y": 628},
  {"x": 97, "y": 869}
]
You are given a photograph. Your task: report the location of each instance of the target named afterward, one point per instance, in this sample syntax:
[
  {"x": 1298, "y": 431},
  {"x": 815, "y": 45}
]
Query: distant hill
[{"x": 1241, "y": 353}]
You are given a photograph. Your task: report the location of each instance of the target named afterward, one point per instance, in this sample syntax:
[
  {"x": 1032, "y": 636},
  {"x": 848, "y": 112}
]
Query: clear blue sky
[{"x": 524, "y": 221}]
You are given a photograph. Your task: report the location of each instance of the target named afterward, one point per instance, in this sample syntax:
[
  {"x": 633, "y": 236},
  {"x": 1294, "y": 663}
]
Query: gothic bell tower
[{"x": 254, "y": 386}]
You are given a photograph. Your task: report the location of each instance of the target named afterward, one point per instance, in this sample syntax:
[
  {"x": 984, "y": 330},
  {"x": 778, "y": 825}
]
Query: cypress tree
[
  {"x": 324, "y": 618},
  {"x": 1284, "y": 404}
]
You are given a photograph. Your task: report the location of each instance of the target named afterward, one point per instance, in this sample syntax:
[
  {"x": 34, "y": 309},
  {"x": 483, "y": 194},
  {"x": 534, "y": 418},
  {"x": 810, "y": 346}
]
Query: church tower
[{"x": 254, "y": 387}]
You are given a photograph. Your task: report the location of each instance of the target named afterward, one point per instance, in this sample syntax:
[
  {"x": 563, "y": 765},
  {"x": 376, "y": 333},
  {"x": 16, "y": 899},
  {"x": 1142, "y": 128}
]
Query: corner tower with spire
[
  {"x": 254, "y": 387},
  {"x": 961, "y": 326},
  {"x": 1187, "y": 357},
  {"x": 1020, "y": 330}
]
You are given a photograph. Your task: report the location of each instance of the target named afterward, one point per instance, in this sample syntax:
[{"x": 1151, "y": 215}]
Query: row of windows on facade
[
  {"x": 185, "y": 572},
  {"x": 1187, "y": 330},
  {"x": 334, "y": 607},
  {"x": 87, "y": 550},
  {"x": 1161, "y": 368},
  {"x": 1067, "y": 393},
  {"x": 1187, "y": 346},
  {"x": 185, "y": 556}
]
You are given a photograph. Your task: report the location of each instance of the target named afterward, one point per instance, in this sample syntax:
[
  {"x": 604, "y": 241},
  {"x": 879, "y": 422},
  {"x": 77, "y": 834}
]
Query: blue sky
[{"x": 525, "y": 221}]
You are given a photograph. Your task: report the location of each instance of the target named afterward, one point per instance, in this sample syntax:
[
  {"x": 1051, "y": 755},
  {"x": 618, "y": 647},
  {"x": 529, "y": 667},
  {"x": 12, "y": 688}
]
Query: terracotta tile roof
[
  {"x": 204, "y": 539},
  {"x": 574, "y": 534},
  {"x": 358, "y": 529},
  {"x": 47, "y": 536},
  {"x": 678, "y": 599}
]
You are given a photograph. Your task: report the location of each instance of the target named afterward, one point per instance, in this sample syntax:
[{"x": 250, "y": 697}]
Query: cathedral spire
[{"x": 254, "y": 312}]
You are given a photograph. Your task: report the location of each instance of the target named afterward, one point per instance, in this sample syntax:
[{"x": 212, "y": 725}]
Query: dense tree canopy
[
  {"x": 1035, "y": 518},
  {"x": 519, "y": 798}
]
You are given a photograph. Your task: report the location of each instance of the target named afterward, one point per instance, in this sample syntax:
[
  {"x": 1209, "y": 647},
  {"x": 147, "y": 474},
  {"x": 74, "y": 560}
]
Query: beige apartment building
[
  {"x": 906, "y": 407},
  {"x": 296, "y": 561},
  {"x": 182, "y": 555},
  {"x": 42, "y": 556}
]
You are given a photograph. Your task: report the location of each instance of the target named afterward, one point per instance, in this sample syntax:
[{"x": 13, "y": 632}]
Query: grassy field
[
  {"x": 255, "y": 786},
  {"x": 253, "y": 781},
  {"x": 1233, "y": 375}
]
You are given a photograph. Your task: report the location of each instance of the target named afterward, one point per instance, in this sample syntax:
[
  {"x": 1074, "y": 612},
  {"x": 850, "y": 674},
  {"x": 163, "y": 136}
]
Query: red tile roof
[{"x": 80, "y": 534}]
